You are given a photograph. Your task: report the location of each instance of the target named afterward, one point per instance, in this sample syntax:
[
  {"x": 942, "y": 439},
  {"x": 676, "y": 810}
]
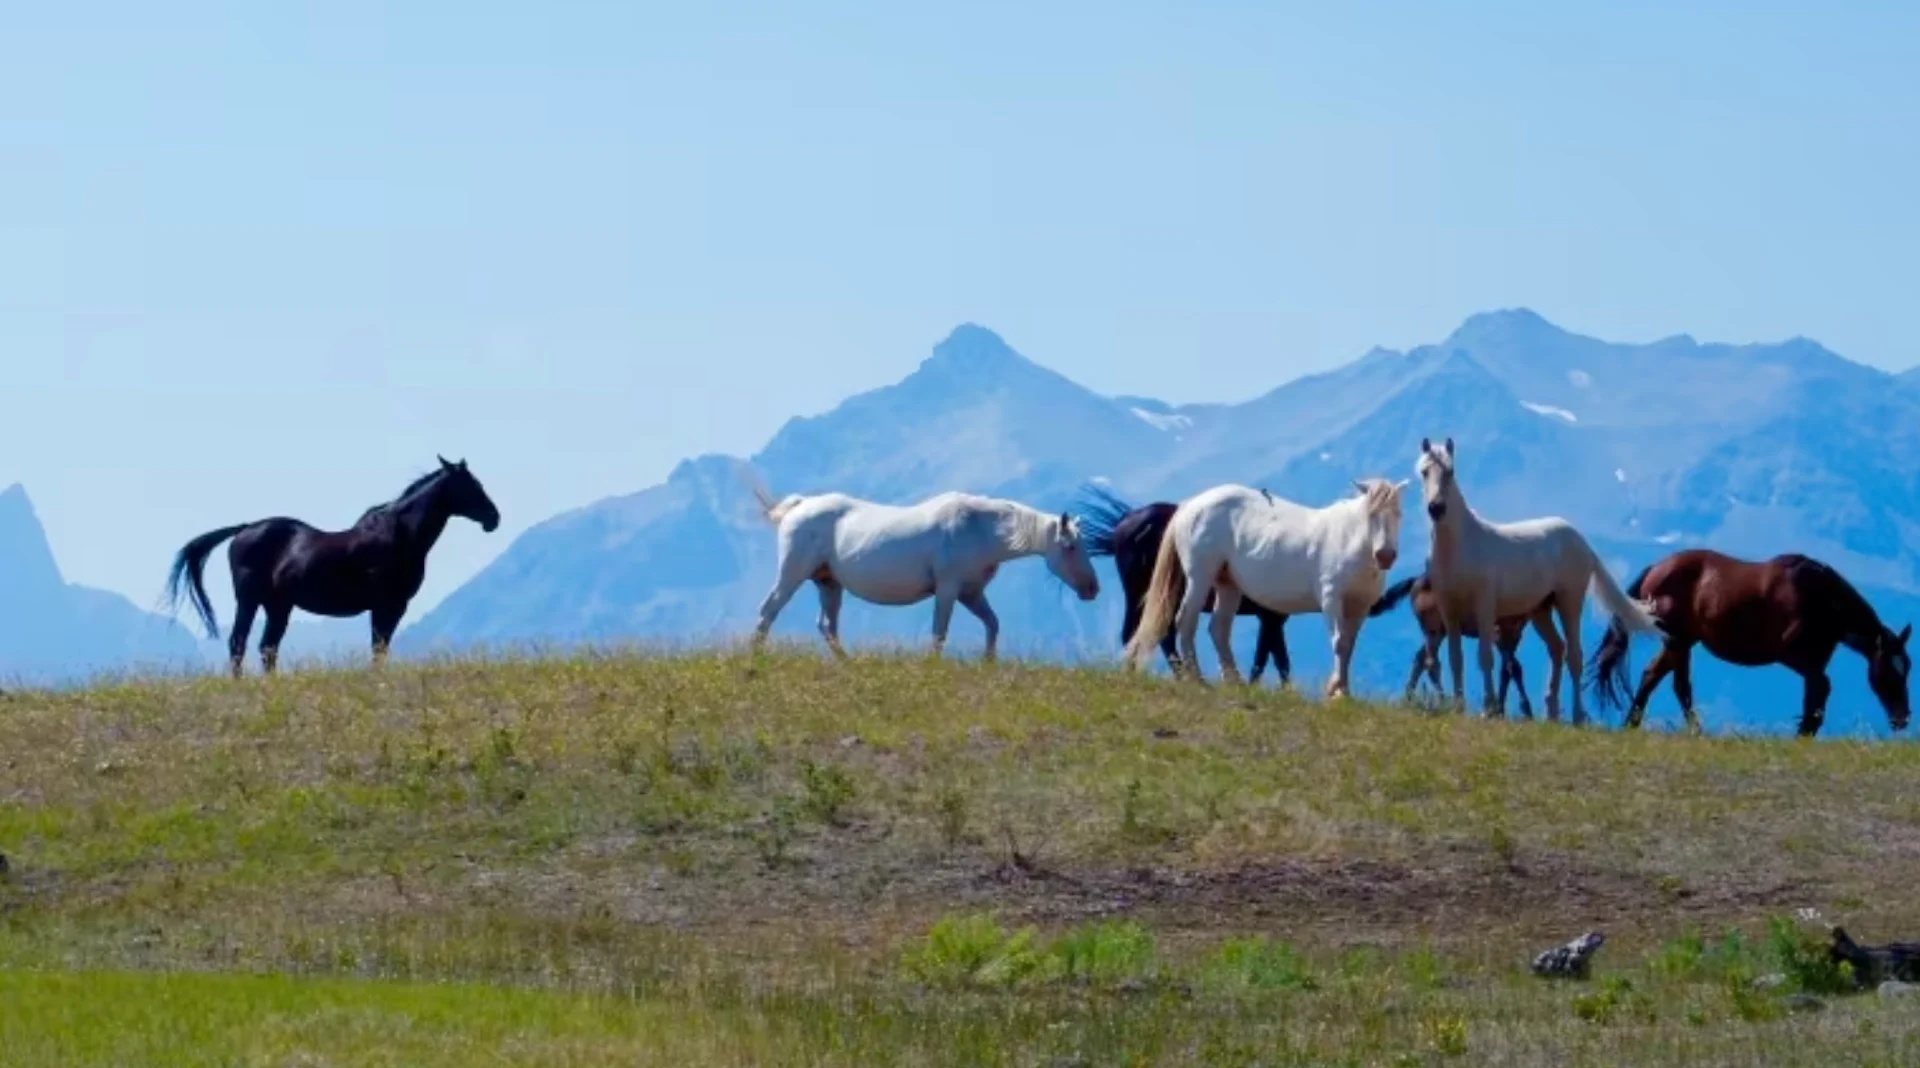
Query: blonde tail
[
  {"x": 1636, "y": 616},
  {"x": 1164, "y": 592},
  {"x": 773, "y": 510}
]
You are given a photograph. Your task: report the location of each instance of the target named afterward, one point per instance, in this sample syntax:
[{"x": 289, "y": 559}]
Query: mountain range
[{"x": 1752, "y": 449}]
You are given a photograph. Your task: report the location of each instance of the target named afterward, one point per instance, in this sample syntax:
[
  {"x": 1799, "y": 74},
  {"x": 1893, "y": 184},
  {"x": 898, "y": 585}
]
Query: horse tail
[
  {"x": 772, "y": 510},
  {"x": 1164, "y": 591},
  {"x": 1099, "y": 512},
  {"x": 1635, "y": 613},
  {"x": 1608, "y": 675},
  {"x": 189, "y": 564},
  {"x": 1395, "y": 594}
]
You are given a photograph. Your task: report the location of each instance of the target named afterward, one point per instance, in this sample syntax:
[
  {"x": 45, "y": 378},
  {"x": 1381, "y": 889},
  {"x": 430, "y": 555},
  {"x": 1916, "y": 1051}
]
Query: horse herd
[{"x": 1228, "y": 551}]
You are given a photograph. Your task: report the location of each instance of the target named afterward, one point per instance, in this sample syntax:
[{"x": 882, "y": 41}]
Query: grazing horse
[
  {"x": 1483, "y": 572},
  {"x": 1790, "y": 610},
  {"x": 1289, "y": 558},
  {"x": 1426, "y": 659},
  {"x": 375, "y": 566},
  {"x": 947, "y": 547},
  {"x": 1111, "y": 527}
]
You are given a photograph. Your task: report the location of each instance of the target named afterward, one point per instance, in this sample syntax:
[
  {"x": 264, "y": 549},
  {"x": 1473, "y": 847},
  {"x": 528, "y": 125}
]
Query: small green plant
[
  {"x": 1135, "y": 827},
  {"x": 1445, "y": 1035},
  {"x": 775, "y": 834},
  {"x": 1104, "y": 953},
  {"x": 1802, "y": 958},
  {"x": 1256, "y": 964},
  {"x": 1614, "y": 998},
  {"x": 951, "y": 807},
  {"x": 828, "y": 792},
  {"x": 1505, "y": 849},
  {"x": 1752, "y": 1004},
  {"x": 1423, "y": 967},
  {"x": 973, "y": 950}
]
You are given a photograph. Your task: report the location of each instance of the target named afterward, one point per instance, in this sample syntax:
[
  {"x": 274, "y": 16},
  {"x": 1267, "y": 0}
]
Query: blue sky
[{"x": 268, "y": 259}]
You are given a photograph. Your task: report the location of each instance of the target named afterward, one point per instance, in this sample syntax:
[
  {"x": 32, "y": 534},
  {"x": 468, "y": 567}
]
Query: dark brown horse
[
  {"x": 376, "y": 566},
  {"x": 1791, "y": 610},
  {"x": 1111, "y": 527},
  {"x": 1433, "y": 629}
]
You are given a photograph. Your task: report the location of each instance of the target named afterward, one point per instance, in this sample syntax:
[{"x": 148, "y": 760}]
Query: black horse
[
  {"x": 1111, "y": 527},
  {"x": 376, "y": 566}
]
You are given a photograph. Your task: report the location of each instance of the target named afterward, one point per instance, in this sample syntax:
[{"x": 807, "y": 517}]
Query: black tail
[
  {"x": 1609, "y": 675},
  {"x": 189, "y": 563},
  {"x": 1099, "y": 512},
  {"x": 1395, "y": 594}
]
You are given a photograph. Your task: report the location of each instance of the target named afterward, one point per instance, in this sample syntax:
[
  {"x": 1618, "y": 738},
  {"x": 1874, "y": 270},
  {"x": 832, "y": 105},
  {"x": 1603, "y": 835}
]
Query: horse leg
[
  {"x": 1657, "y": 669},
  {"x": 1347, "y": 633},
  {"x": 1259, "y": 653},
  {"x": 1282, "y": 663},
  {"x": 976, "y": 602},
  {"x": 1570, "y": 609},
  {"x": 1187, "y": 626},
  {"x": 1421, "y": 657},
  {"x": 1683, "y": 685},
  {"x": 1813, "y": 705},
  {"x": 237, "y": 638},
  {"x": 1226, "y": 603},
  {"x": 278, "y": 616},
  {"x": 1510, "y": 672},
  {"x": 783, "y": 590},
  {"x": 385, "y": 620},
  {"x": 1488, "y": 629},
  {"x": 830, "y": 592},
  {"x": 1556, "y": 654},
  {"x": 1455, "y": 660},
  {"x": 944, "y": 598}
]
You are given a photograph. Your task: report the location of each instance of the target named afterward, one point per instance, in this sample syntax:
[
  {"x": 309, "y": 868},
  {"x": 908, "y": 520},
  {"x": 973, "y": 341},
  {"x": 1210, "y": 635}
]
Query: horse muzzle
[
  {"x": 1385, "y": 558},
  {"x": 1089, "y": 591},
  {"x": 1437, "y": 511}
]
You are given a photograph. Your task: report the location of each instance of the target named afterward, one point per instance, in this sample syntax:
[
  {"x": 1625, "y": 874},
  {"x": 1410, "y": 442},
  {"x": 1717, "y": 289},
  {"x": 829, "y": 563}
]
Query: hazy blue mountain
[{"x": 53, "y": 631}]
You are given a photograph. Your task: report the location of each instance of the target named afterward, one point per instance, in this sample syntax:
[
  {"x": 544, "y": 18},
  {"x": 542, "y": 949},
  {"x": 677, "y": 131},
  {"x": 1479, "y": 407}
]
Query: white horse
[
  {"x": 1289, "y": 558},
  {"x": 947, "y": 547},
  {"x": 1485, "y": 571}
]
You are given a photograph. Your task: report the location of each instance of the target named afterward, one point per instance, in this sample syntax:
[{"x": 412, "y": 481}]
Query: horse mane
[
  {"x": 1100, "y": 513},
  {"x": 1865, "y": 624},
  {"x": 412, "y": 487},
  {"x": 1377, "y": 492}
]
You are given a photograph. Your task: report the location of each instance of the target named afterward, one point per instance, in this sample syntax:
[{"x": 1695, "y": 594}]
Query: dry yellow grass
[{"x": 673, "y": 848}]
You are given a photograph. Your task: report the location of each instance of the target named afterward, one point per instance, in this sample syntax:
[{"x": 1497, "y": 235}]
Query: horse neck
[
  {"x": 1021, "y": 531},
  {"x": 422, "y": 517},
  {"x": 1860, "y": 625},
  {"x": 1449, "y": 537}
]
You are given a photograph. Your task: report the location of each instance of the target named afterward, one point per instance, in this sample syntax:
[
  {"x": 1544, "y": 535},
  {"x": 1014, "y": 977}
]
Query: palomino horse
[
  {"x": 1111, "y": 527},
  {"x": 1426, "y": 659},
  {"x": 1289, "y": 558},
  {"x": 947, "y": 547},
  {"x": 1790, "y": 610},
  {"x": 1483, "y": 572},
  {"x": 375, "y": 566}
]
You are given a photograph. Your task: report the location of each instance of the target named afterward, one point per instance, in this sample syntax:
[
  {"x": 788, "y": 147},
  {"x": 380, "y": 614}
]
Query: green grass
[{"x": 710, "y": 859}]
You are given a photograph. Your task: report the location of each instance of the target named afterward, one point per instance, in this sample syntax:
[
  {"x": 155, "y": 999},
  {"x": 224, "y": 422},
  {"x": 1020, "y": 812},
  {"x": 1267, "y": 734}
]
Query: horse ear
[
  {"x": 442, "y": 459},
  {"x": 1426, "y": 445},
  {"x": 1905, "y": 633},
  {"x": 462, "y": 465},
  {"x": 1449, "y": 448},
  {"x": 1360, "y": 486},
  {"x": 1399, "y": 487},
  {"x": 1066, "y": 523}
]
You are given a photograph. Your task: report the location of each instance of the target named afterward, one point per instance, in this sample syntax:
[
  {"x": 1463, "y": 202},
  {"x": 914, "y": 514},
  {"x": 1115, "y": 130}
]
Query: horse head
[
  {"x": 1067, "y": 558},
  {"x": 1435, "y": 468},
  {"x": 1383, "y": 518},
  {"x": 1887, "y": 669},
  {"x": 466, "y": 498}
]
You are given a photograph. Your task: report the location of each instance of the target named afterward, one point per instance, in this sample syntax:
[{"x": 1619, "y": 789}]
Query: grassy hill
[{"x": 710, "y": 860}]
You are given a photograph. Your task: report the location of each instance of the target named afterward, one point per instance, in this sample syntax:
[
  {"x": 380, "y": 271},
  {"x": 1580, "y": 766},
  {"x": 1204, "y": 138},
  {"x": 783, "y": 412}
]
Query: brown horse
[
  {"x": 1433, "y": 629},
  {"x": 1791, "y": 610}
]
